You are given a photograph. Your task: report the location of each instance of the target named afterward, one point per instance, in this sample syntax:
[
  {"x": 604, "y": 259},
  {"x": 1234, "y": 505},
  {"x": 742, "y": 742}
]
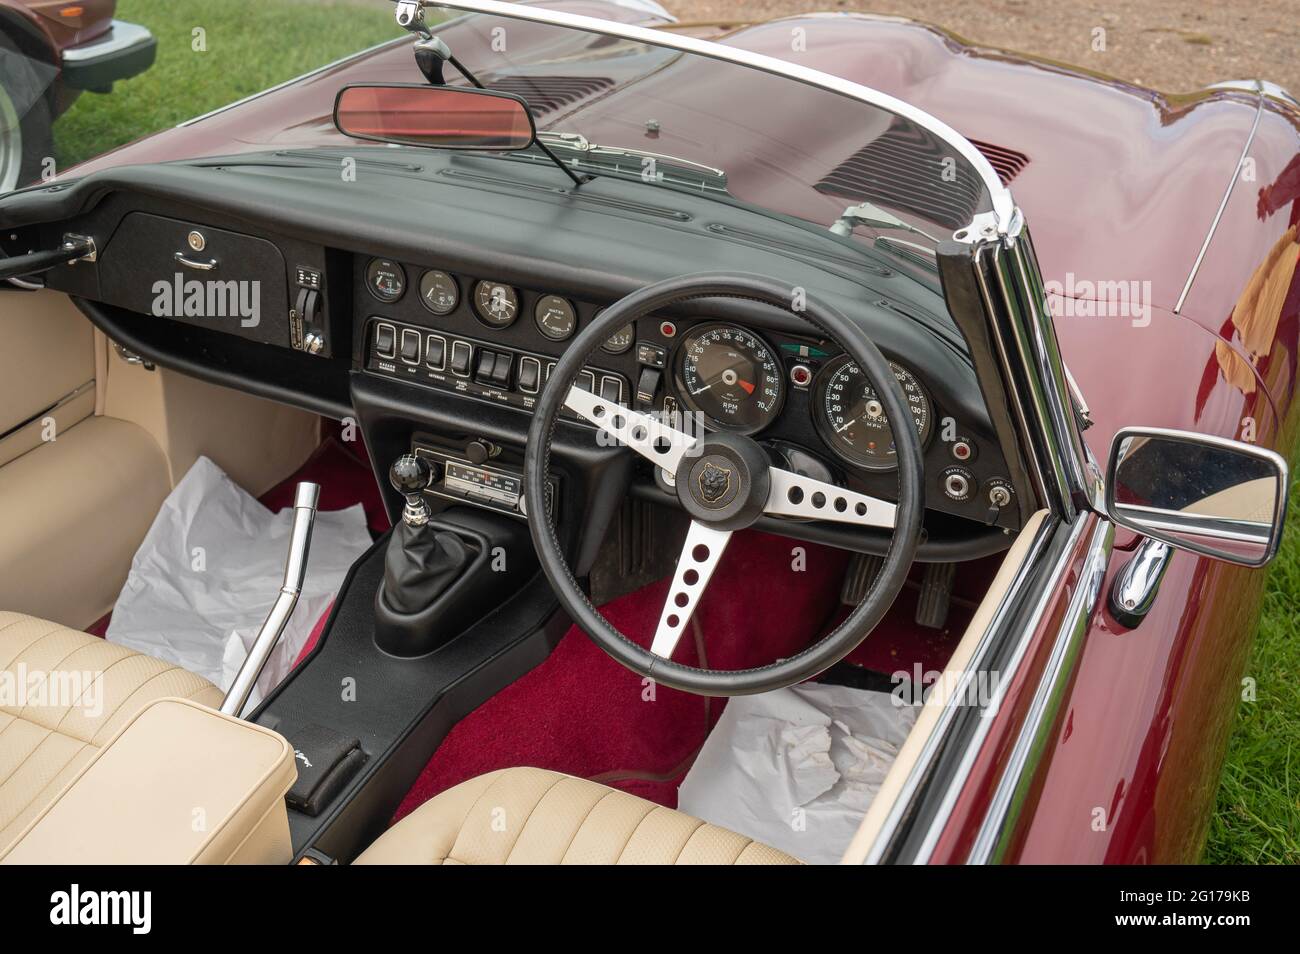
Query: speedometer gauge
[
  {"x": 730, "y": 376},
  {"x": 851, "y": 417}
]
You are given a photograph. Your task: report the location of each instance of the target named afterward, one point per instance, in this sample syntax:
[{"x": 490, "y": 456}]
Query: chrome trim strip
[
  {"x": 1018, "y": 653},
  {"x": 912, "y": 784},
  {"x": 1267, "y": 88},
  {"x": 1232, "y": 182},
  {"x": 1015, "y": 301},
  {"x": 1003, "y": 206},
  {"x": 1048, "y": 374},
  {"x": 68, "y": 398},
  {"x": 1017, "y": 401},
  {"x": 999, "y": 822},
  {"x": 297, "y": 79},
  {"x": 119, "y": 36}
]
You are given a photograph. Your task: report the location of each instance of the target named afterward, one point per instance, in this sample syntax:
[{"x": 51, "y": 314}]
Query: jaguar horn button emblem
[{"x": 714, "y": 482}]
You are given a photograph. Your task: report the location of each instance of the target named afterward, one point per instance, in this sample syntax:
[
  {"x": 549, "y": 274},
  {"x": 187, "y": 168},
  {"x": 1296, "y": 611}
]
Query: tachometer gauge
[
  {"x": 851, "y": 417},
  {"x": 385, "y": 279},
  {"x": 496, "y": 304},
  {"x": 730, "y": 376},
  {"x": 438, "y": 292}
]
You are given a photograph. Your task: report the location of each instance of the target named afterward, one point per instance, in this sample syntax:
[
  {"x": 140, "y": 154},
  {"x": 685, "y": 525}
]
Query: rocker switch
[{"x": 647, "y": 387}]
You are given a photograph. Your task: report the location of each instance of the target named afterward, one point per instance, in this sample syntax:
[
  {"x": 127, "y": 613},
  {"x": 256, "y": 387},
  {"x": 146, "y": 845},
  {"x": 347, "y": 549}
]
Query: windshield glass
[
  {"x": 654, "y": 104},
  {"x": 769, "y": 140}
]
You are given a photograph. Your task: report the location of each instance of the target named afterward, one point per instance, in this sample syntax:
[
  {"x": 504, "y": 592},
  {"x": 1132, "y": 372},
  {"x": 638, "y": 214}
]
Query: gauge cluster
[
  {"x": 806, "y": 394},
  {"x": 494, "y": 304},
  {"x": 487, "y": 338},
  {"x": 736, "y": 381}
]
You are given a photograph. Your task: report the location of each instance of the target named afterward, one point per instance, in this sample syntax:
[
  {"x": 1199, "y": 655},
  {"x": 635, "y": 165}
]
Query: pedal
[
  {"x": 936, "y": 595},
  {"x": 858, "y": 576}
]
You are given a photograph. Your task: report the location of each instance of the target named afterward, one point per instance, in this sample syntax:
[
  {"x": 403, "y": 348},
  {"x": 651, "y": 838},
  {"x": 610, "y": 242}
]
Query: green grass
[
  {"x": 1257, "y": 818},
  {"x": 251, "y": 44}
]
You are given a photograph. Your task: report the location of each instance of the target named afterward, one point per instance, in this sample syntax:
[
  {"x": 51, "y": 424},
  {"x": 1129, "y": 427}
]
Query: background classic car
[
  {"x": 1237, "y": 380},
  {"x": 52, "y": 51}
]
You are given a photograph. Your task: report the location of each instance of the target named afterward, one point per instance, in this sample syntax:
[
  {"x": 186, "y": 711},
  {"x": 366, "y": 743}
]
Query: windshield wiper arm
[
  {"x": 633, "y": 161},
  {"x": 873, "y": 217}
]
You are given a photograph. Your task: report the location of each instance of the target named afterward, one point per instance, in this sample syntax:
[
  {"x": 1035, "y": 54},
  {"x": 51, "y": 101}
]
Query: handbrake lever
[{"x": 305, "y": 499}]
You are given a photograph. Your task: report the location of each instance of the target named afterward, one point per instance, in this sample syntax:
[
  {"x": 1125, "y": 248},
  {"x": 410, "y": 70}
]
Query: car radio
[{"x": 494, "y": 486}]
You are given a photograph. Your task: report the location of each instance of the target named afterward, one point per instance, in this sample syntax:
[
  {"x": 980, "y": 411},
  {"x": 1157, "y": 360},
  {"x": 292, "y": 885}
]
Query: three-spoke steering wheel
[{"x": 725, "y": 482}]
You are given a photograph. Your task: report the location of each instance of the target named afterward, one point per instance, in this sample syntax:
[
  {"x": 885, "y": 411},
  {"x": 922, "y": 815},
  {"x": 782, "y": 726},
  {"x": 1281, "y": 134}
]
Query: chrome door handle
[
  {"x": 207, "y": 266},
  {"x": 1134, "y": 591}
]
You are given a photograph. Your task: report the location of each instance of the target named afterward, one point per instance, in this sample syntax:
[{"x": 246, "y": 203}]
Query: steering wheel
[{"x": 725, "y": 481}]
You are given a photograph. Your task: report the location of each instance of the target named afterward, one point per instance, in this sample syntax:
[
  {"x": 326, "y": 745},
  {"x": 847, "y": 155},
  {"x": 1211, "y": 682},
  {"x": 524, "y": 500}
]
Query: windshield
[
  {"x": 770, "y": 141},
  {"x": 722, "y": 119}
]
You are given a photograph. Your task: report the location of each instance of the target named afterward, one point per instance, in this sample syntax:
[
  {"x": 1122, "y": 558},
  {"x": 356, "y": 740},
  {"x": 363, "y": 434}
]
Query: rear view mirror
[
  {"x": 442, "y": 116},
  {"x": 1217, "y": 497}
]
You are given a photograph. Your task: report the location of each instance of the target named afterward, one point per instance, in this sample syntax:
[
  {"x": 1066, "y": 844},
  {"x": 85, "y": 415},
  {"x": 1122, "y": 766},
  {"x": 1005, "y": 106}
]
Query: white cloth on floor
[
  {"x": 797, "y": 768},
  {"x": 211, "y": 567}
]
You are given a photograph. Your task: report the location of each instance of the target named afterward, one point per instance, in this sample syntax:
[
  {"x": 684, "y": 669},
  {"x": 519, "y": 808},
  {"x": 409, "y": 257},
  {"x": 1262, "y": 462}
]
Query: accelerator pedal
[
  {"x": 858, "y": 576},
  {"x": 936, "y": 595}
]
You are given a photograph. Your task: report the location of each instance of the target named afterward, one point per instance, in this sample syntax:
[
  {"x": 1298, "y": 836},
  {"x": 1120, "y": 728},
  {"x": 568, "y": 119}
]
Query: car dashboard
[{"x": 430, "y": 298}]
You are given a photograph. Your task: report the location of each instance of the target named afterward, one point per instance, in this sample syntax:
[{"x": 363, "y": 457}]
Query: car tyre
[{"x": 25, "y": 141}]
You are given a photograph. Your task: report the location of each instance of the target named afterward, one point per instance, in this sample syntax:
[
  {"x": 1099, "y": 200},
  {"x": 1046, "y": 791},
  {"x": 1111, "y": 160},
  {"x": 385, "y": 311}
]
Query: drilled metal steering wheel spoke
[
  {"x": 658, "y": 443},
  {"x": 792, "y": 495},
  {"x": 701, "y": 552}
]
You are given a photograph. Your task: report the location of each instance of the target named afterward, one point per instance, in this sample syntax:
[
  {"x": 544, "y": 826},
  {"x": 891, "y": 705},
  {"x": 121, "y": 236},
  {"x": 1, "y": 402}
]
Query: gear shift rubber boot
[
  {"x": 422, "y": 563},
  {"x": 441, "y": 574}
]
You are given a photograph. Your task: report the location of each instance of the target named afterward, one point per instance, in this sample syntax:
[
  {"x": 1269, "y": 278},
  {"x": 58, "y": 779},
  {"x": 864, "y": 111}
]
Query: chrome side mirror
[{"x": 1216, "y": 497}]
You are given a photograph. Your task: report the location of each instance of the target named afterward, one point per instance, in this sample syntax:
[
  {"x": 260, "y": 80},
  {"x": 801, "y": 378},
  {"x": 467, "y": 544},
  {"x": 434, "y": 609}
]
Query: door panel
[
  {"x": 90, "y": 446},
  {"x": 47, "y": 370}
]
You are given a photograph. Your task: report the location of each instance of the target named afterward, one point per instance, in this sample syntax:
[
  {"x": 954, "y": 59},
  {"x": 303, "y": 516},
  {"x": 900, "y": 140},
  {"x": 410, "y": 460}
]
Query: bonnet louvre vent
[
  {"x": 904, "y": 169},
  {"x": 545, "y": 94},
  {"x": 1007, "y": 163}
]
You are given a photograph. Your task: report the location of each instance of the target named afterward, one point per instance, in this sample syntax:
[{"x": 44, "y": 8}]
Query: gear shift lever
[
  {"x": 422, "y": 564},
  {"x": 410, "y": 475}
]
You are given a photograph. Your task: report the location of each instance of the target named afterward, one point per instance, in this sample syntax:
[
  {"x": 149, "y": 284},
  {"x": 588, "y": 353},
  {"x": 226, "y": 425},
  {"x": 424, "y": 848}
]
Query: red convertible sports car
[{"x": 700, "y": 460}]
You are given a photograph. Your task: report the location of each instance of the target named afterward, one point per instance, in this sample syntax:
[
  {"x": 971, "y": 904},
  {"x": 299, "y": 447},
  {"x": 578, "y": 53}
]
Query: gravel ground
[{"x": 1166, "y": 44}]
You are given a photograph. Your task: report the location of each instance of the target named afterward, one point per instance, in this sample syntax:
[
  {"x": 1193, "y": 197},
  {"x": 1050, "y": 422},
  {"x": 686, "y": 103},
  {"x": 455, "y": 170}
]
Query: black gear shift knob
[{"x": 410, "y": 475}]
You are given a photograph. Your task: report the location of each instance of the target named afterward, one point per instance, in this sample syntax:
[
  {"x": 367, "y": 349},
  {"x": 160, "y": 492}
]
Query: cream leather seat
[
  {"x": 43, "y": 746},
  {"x": 514, "y": 816},
  {"x": 533, "y": 816}
]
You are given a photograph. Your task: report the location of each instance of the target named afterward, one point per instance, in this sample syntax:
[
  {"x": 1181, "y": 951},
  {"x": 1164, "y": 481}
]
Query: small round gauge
[
  {"x": 496, "y": 304},
  {"x": 439, "y": 292},
  {"x": 621, "y": 340},
  {"x": 851, "y": 418},
  {"x": 385, "y": 279},
  {"x": 730, "y": 376},
  {"x": 555, "y": 317}
]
